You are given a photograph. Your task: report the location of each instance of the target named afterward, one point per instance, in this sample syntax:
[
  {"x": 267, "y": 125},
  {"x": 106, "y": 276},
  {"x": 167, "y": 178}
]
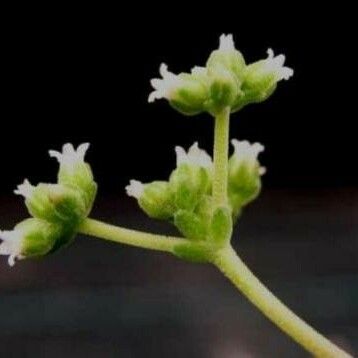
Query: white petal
[
  {"x": 262, "y": 170},
  {"x": 25, "y": 189},
  {"x": 198, "y": 70},
  {"x": 68, "y": 149},
  {"x": 70, "y": 156},
  {"x": 246, "y": 152},
  {"x": 135, "y": 189},
  {"x": 226, "y": 42},
  {"x": 181, "y": 155},
  {"x": 199, "y": 156},
  {"x": 11, "y": 245},
  {"x": 195, "y": 156},
  {"x": 166, "y": 86},
  {"x": 55, "y": 154},
  {"x": 276, "y": 65},
  {"x": 82, "y": 150}
]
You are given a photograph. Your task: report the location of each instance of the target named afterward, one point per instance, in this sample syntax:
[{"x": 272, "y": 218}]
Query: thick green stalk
[
  {"x": 129, "y": 237},
  {"x": 221, "y": 153},
  {"x": 230, "y": 264}
]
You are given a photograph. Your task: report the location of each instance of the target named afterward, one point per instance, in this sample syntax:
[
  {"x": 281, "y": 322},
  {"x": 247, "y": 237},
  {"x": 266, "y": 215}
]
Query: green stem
[
  {"x": 230, "y": 264},
  {"x": 221, "y": 152},
  {"x": 130, "y": 237}
]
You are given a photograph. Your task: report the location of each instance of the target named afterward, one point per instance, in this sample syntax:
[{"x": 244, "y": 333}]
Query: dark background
[{"x": 75, "y": 75}]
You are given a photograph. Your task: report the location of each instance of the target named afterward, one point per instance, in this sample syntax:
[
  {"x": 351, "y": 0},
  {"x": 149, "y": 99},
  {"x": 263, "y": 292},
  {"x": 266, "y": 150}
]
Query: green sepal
[
  {"x": 258, "y": 85},
  {"x": 221, "y": 226},
  {"x": 66, "y": 237},
  {"x": 190, "y": 225},
  {"x": 191, "y": 97},
  {"x": 39, "y": 236},
  {"x": 236, "y": 206},
  {"x": 188, "y": 184},
  {"x": 232, "y": 60},
  {"x": 157, "y": 200},
  {"x": 184, "y": 108},
  {"x": 56, "y": 203},
  {"x": 79, "y": 177},
  {"x": 205, "y": 208},
  {"x": 244, "y": 183},
  {"x": 224, "y": 89}
]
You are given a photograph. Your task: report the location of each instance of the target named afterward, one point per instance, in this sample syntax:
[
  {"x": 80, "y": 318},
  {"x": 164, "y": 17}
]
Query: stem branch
[
  {"x": 230, "y": 264},
  {"x": 130, "y": 237}
]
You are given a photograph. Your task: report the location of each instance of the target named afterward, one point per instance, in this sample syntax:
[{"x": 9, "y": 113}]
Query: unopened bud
[
  {"x": 30, "y": 238},
  {"x": 244, "y": 173},
  {"x": 261, "y": 77},
  {"x": 54, "y": 202},
  {"x": 154, "y": 198}
]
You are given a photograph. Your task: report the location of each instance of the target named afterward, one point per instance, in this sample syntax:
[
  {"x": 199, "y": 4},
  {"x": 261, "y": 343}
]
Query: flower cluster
[
  {"x": 56, "y": 209},
  {"x": 225, "y": 81},
  {"x": 186, "y": 198}
]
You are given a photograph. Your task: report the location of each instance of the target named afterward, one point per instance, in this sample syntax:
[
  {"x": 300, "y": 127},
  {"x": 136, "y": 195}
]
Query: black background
[
  {"x": 84, "y": 76},
  {"x": 78, "y": 74}
]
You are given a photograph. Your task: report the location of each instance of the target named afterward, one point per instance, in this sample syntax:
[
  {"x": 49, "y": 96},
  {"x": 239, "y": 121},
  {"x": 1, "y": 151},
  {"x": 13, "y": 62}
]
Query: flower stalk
[
  {"x": 231, "y": 265},
  {"x": 135, "y": 238},
  {"x": 221, "y": 152}
]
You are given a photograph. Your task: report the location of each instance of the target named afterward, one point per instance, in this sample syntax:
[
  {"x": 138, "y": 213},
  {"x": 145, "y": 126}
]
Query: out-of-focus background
[{"x": 84, "y": 76}]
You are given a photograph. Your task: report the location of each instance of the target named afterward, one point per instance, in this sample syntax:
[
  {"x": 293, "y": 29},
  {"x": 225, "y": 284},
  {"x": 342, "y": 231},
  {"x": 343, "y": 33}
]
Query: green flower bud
[
  {"x": 226, "y": 81},
  {"x": 30, "y": 238},
  {"x": 188, "y": 185},
  {"x": 195, "y": 225},
  {"x": 190, "y": 225},
  {"x": 224, "y": 89},
  {"x": 205, "y": 208},
  {"x": 244, "y": 174},
  {"x": 188, "y": 188},
  {"x": 75, "y": 172},
  {"x": 261, "y": 78},
  {"x": 57, "y": 209},
  {"x": 192, "y": 178},
  {"x": 54, "y": 202},
  {"x": 186, "y": 92},
  {"x": 227, "y": 56},
  {"x": 154, "y": 198}
]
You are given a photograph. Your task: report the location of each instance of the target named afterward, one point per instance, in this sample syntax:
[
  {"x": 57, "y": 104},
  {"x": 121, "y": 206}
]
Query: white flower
[
  {"x": 199, "y": 70},
  {"x": 164, "y": 87},
  {"x": 25, "y": 189},
  {"x": 245, "y": 152},
  {"x": 195, "y": 156},
  {"x": 276, "y": 65},
  {"x": 12, "y": 244},
  {"x": 70, "y": 156},
  {"x": 135, "y": 189},
  {"x": 226, "y": 43}
]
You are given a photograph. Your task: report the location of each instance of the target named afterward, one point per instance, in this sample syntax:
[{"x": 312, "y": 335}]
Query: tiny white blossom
[
  {"x": 199, "y": 70},
  {"x": 70, "y": 156},
  {"x": 25, "y": 189},
  {"x": 226, "y": 43},
  {"x": 164, "y": 87},
  {"x": 135, "y": 189},
  {"x": 245, "y": 152},
  {"x": 276, "y": 65},
  {"x": 12, "y": 244},
  {"x": 195, "y": 156}
]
